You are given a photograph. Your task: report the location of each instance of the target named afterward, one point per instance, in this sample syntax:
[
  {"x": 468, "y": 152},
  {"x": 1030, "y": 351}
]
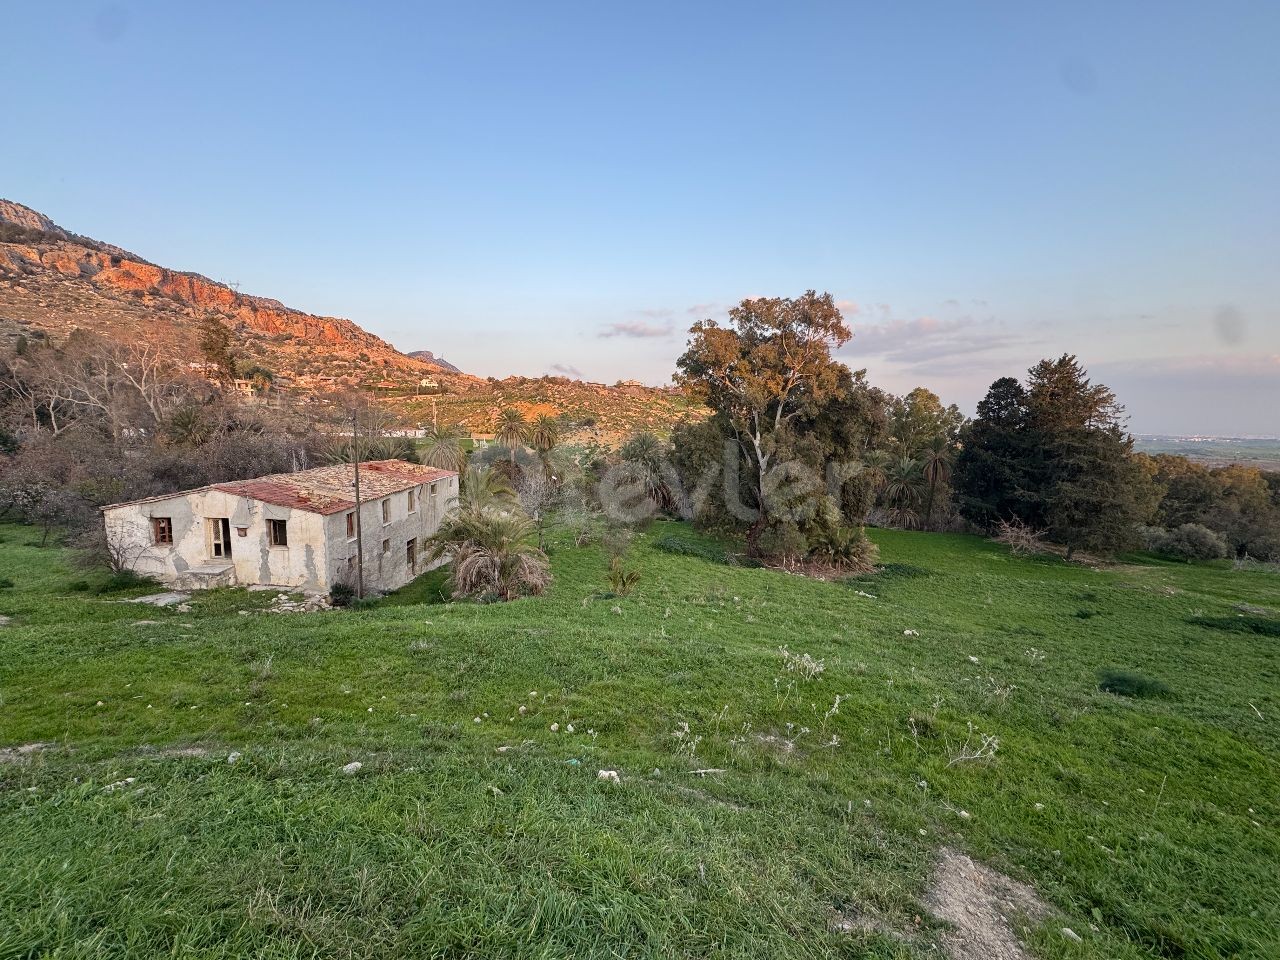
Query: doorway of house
[{"x": 220, "y": 538}]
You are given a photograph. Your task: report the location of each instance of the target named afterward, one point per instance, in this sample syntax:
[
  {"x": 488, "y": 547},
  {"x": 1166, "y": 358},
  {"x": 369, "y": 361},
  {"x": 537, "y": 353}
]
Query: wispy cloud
[
  {"x": 637, "y": 329},
  {"x": 705, "y": 309},
  {"x": 567, "y": 370},
  {"x": 927, "y": 339}
]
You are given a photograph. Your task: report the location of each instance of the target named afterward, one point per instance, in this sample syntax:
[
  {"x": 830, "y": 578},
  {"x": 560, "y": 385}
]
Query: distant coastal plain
[{"x": 1260, "y": 452}]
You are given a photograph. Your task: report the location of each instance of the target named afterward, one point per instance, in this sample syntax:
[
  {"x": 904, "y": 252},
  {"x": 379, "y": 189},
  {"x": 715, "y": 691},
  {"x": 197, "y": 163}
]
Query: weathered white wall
[
  {"x": 387, "y": 571},
  {"x": 318, "y": 550},
  {"x": 302, "y": 564}
]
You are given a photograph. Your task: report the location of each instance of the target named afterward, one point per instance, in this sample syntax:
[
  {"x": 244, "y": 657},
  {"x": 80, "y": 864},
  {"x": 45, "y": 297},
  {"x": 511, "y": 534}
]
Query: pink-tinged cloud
[
  {"x": 637, "y": 329},
  {"x": 926, "y": 340},
  {"x": 849, "y": 308}
]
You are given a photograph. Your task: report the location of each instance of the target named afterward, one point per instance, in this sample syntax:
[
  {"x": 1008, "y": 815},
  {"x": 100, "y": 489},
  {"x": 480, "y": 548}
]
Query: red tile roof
[{"x": 327, "y": 490}]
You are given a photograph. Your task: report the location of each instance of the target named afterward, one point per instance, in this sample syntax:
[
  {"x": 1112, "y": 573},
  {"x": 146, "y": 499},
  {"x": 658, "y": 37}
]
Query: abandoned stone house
[{"x": 295, "y": 530}]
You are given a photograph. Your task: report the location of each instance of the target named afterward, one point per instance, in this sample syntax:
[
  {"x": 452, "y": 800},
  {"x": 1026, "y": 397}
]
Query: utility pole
[{"x": 355, "y": 456}]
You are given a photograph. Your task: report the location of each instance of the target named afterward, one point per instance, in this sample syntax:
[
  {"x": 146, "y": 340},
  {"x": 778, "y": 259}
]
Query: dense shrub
[
  {"x": 1190, "y": 541},
  {"x": 1130, "y": 683},
  {"x": 341, "y": 594},
  {"x": 845, "y": 547},
  {"x": 784, "y": 541}
]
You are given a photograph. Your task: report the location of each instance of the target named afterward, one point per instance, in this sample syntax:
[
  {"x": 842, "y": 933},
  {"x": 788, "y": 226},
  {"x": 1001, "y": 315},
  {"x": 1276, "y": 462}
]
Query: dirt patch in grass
[
  {"x": 22, "y": 753},
  {"x": 982, "y": 905}
]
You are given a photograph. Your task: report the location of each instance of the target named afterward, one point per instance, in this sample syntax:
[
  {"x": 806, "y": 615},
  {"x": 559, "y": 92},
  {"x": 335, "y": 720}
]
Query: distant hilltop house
[{"x": 295, "y": 530}]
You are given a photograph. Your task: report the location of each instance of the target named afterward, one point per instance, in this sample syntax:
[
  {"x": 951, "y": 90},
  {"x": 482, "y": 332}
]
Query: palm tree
[
  {"x": 557, "y": 465},
  {"x": 902, "y": 485},
  {"x": 513, "y": 430},
  {"x": 375, "y": 448},
  {"x": 544, "y": 434},
  {"x": 484, "y": 490},
  {"x": 492, "y": 554},
  {"x": 645, "y": 454},
  {"x": 936, "y": 466},
  {"x": 187, "y": 425},
  {"x": 442, "y": 448},
  {"x": 875, "y": 465}
]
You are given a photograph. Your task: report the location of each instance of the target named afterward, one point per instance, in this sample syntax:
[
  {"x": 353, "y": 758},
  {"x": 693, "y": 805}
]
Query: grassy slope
[{"x": 1158, "y": 822}]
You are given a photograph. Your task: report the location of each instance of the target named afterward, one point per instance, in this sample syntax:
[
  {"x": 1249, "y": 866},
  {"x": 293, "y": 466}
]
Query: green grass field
[{"x": 1150, "y": 824}]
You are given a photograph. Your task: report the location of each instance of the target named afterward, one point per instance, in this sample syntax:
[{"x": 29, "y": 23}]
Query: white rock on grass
[
  {"x": 610, "y": 775},
  {"x": 352, "y": 768},
  {"x": 169, "y": 599},
  {"x": 233, "y": 756}
]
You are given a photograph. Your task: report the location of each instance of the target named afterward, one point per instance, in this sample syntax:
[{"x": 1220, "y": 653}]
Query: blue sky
[{"x": 540, "y": 187}]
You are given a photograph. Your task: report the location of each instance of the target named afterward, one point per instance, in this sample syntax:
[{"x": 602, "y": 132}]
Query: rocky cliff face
[
  {"x": 23, "y": 216},
  {"x": 430, "y": 357},
  {"x": 53, "y": 282}
]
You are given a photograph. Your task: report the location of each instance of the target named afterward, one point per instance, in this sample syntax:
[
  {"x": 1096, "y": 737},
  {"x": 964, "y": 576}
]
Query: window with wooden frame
[
  {"x": 411, "y": 553},
  {"x": 162, "y": 530},
  {"x": 413, "y": 501},
  {"x": 386, "y": 510},
  {"x": 386, "y": 546},
  {"x": 277, "y": 533},
  {"x": 351, "y": 525}
]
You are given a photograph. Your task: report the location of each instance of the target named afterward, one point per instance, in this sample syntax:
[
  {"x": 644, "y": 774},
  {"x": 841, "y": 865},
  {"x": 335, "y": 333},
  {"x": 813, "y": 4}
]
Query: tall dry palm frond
[
  {"x": 442, "y": 449},
  {"x": 492, "y": 553}
]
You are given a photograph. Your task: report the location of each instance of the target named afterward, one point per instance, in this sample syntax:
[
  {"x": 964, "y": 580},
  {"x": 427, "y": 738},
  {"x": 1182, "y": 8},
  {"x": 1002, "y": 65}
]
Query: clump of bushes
[
  {"x": 1190, "y": 542},
  {"x": 784, "y": 542},
  {"x": 1130, "y": 683}
]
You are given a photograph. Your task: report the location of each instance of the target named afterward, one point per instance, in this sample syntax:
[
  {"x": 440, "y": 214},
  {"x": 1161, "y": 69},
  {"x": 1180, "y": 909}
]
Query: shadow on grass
[{"x": 1260, "y": 626}]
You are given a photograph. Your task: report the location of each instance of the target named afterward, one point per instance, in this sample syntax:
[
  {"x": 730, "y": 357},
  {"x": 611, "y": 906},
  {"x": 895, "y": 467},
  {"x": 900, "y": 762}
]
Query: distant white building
[{"x": 295, "y": 530}]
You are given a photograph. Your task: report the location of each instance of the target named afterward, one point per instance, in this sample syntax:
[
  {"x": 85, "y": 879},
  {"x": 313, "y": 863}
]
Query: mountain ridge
[{"x": 53, "y": 282}]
